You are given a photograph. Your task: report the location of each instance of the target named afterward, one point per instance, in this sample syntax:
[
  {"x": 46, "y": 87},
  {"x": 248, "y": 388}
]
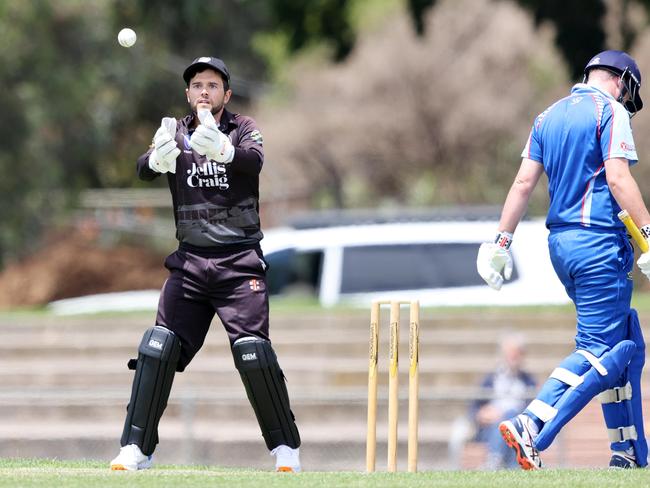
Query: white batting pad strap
[
  {"x": 566, "y": 376},
  {"x": 616, "y": 395},
  {"x": 541, "y": 410},
  {"x": 622, "y": 434},
  {"x": 593, "y": 360}
]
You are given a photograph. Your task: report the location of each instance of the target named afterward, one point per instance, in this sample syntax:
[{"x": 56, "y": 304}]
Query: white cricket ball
[{"x": 127, "y": 37}]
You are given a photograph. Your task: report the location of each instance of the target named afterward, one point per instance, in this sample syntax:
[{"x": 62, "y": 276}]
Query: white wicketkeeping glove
[
  {"x": 209, "y": 141},
  {"x": 494, "y": 262},
  {"x": 165, "y": 150}
]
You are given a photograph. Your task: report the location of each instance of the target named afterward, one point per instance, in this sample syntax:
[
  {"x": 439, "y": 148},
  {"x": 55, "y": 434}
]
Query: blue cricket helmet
[{"x": 623, "y": 65}]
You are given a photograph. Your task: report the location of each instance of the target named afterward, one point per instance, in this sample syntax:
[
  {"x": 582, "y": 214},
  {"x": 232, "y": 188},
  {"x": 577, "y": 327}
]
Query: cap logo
[
  {"x": 204, "y": 59},
  {"x": 596, "y": 60}
]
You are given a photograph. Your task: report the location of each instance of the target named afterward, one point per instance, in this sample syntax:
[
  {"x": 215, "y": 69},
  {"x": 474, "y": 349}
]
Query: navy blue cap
[
  {"x": 620, "y": 63},
  {"x": 200, "y": 64}
]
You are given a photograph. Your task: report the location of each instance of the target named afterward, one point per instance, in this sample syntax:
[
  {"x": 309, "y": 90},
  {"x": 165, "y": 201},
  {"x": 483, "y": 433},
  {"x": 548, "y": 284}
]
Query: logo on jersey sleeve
[
  {"x": 627, "y": 147},
  {"x": 256, "y": 136}
]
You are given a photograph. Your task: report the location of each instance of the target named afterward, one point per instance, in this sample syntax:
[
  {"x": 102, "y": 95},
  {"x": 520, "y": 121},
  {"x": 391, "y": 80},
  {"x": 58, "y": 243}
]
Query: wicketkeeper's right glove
[{"x": 165, "y": 150}]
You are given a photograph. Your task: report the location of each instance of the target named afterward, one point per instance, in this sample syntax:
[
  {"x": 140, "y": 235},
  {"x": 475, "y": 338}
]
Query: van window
[
  {"x": 294, "y": 272},
  {"x": 410, "y": 266}
]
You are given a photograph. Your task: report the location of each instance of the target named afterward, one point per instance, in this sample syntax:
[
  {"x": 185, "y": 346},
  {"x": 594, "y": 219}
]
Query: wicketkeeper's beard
[{"x": 218, "y": 108}]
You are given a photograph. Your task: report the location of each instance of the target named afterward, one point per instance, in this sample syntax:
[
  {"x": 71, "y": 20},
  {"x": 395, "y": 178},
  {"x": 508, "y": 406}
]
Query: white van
[{"x": 433, "y": 261}]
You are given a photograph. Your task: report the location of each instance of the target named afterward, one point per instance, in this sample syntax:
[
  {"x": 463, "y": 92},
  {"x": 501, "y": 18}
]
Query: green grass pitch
[{"x": 64, "y": 474}]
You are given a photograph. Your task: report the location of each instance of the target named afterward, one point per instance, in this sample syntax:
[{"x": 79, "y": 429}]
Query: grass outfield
[{"x": 63, "y": 474}]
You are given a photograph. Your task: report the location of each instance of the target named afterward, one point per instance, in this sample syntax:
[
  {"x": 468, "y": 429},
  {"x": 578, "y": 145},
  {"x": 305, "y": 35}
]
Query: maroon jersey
[{"x": 215, "y": 204}]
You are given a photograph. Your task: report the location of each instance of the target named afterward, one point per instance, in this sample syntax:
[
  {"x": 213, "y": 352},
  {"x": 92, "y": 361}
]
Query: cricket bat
[{"x": 631, "y": 227}]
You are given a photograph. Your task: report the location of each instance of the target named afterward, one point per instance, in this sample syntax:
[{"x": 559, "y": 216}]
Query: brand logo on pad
[
  {"x": 155, "y": 344},
  {"x": 250, "y": 356}
]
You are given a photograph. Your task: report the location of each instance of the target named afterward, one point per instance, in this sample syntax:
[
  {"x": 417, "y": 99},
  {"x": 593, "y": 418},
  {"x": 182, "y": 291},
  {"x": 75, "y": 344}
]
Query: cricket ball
[{"x": 127, "y": 37}]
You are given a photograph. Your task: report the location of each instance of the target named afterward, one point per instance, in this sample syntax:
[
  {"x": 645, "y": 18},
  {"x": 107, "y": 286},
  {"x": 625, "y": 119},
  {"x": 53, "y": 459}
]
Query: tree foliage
[
  {"x": 579, "y": 37},
  {"x": 315, "y": 21},
  {"x": 579, "y": 25},
  {"x": 418, "y": 9},
  {"x": 434, "y": 127},
  {"x": 78, "y": 108}
]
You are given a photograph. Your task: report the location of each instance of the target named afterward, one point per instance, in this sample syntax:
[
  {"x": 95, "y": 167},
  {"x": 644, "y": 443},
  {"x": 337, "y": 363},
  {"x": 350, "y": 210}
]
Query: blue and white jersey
[{"x": 572, "y": 139}]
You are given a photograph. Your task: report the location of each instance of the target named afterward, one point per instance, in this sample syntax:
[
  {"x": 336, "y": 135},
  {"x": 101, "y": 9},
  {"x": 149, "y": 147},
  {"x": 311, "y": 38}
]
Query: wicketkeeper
[
  {"x": 584, "y": 144},
  {"x": 211, "y": 159}
]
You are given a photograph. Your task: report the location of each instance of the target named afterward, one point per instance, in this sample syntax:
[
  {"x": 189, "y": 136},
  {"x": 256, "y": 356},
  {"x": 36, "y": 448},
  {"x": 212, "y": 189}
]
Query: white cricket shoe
[
  {"x": 518, "y": 433},
  {"x": 287, "y": 460},
  {"x": 131, "y": 458}
]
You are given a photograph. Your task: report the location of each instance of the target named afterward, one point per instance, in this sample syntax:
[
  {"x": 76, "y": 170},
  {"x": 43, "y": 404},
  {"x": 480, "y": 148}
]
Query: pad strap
[
  {"x": 616, "y": 394},
  {"x": 566, "y": 376},
  {"x": 622, "y": 434},
  {"x": 542, "y": 410},
  {"x": 593, "y": 360}
]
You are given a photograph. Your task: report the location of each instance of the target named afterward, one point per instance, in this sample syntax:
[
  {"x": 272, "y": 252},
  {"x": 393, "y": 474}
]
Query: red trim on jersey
[
  {"x": 611, "y": 134},
  {"x": 598, "y": 115},
  {"x": 584, "y": 196}
]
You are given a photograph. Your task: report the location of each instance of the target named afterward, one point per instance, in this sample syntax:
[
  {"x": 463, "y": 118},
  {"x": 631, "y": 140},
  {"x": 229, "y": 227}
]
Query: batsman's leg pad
[
  {"x": 566, "y": 375},
  {"x": 267, "y": 392},
  {"x": 158, "y": 355},
  {"x": 604, "y": 373},
  {"x": 621, "y": 404}
]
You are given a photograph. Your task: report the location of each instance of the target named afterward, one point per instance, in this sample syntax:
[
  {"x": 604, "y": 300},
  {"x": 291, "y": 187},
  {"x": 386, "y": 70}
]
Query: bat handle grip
[{"x": 634, "y": 231}]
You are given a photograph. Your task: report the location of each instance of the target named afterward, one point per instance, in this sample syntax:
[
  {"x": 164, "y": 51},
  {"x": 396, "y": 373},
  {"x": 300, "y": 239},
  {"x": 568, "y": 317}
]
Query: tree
[
  {"x": 580, "y": 28},
  {"x": 580, "y": 32},
  {"x": 315, "y": 21},
  {"x": 417, "y": 9}
]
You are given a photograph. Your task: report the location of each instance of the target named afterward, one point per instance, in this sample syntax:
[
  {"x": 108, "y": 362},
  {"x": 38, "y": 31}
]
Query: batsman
[
  {"x": 584, "y": 144},
  {"x": 211, "y": 160}
]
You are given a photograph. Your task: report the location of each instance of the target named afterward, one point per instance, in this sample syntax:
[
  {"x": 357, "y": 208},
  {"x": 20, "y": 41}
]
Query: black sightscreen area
[{"x": 410, "y": 266}]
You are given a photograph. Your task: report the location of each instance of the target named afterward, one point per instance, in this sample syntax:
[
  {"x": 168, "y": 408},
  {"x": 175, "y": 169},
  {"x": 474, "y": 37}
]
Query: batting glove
[
  {"x": 210, "y": 142},
  {"x": 494, "y": 261},
  {"x": 644, "y": 260},
  {"x": 165, "y": 149}
]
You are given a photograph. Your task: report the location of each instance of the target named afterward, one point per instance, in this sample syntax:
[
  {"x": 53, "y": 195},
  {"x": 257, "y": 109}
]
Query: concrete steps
[
  {"x": 219, "y": 372},
  {"x": 64, "y": 385}
]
